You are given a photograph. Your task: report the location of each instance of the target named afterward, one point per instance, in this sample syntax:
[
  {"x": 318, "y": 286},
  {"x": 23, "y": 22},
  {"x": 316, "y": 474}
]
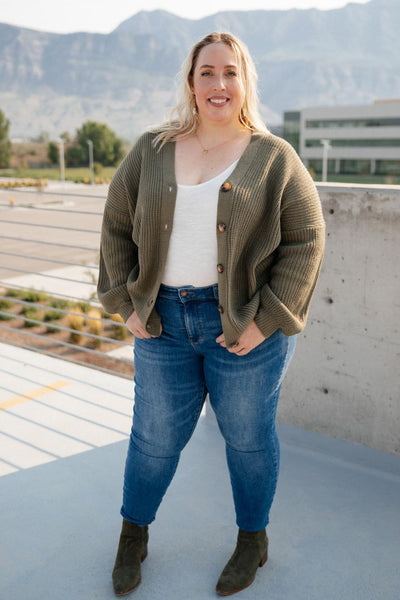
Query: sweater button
[
  {"x": 221, "y": 227},
  {"x": 221, "y": 309},
  {"x": 220, "y": 268},
  {"x": 225, "y": 187}
]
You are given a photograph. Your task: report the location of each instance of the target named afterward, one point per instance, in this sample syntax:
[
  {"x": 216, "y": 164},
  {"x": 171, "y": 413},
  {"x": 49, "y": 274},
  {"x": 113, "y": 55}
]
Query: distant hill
[{"x": 52, "y": 82}]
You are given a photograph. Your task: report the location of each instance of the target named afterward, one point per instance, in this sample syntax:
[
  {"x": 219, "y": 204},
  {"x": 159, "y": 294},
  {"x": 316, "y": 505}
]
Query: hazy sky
[{"x": 65, "y": 16}]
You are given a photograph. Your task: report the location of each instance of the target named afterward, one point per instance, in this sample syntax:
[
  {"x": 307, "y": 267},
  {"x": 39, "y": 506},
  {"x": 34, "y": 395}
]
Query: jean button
[
  {"x": 220, "y": 268},
  {"x": 184, "y": 294},
  {"x": 220, "y": 308}
]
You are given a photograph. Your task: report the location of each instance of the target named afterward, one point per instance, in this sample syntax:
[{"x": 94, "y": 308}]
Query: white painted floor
[{"x": 335, "y": 523}]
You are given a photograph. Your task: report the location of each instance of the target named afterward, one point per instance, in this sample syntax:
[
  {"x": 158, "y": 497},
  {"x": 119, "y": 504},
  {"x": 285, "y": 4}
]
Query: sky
[{"x": 67, "y": 16}]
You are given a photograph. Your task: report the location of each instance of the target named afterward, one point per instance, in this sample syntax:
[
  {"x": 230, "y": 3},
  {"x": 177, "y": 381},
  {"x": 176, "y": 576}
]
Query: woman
[{"x": 211, "y": 247}]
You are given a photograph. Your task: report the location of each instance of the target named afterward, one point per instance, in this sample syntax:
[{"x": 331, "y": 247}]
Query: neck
[{"x": 214, "y": 133}]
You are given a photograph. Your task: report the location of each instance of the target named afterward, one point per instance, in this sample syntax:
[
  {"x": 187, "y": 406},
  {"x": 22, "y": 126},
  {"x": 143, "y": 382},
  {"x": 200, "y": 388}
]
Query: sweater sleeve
[
  {"x": 285, "y": 299},
  {"x": 118, "y": 253}
]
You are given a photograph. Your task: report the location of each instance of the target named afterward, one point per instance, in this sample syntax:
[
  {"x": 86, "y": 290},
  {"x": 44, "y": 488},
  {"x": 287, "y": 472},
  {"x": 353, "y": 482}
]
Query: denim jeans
[{"x": 173, "y": 374}]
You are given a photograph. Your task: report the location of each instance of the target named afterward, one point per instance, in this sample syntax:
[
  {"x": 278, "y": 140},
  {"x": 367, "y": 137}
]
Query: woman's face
[{"x": 217, "y": 84}]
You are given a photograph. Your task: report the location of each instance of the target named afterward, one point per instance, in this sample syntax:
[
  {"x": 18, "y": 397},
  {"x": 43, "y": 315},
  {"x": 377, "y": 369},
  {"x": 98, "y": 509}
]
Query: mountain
[{"x": 54, "y": 82}]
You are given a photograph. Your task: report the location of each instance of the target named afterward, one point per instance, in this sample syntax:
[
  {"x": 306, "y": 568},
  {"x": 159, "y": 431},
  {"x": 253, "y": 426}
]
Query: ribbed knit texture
[{"x": 271, "y": 249}]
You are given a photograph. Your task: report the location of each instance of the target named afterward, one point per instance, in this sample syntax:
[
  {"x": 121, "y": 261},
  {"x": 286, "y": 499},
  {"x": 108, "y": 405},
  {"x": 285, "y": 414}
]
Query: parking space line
[{"x": 34, "y": 394}]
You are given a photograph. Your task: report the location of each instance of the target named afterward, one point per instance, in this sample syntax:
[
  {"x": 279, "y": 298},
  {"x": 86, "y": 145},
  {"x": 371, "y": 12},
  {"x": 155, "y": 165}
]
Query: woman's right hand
[{"x": 134, "y": 325}]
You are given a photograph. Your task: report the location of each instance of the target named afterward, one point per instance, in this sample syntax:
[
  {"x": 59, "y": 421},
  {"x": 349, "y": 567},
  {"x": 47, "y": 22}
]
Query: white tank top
[{"x": 192, "y": 254}]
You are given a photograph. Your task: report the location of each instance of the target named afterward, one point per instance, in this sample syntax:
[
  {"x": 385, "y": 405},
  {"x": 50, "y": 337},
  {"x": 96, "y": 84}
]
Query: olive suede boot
[
  {"x": 250, "y": 553},
  {"x": 132, "y": 550}
]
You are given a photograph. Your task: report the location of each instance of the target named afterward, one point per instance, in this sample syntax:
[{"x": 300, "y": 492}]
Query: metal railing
[{"x": 59, "y": 303}]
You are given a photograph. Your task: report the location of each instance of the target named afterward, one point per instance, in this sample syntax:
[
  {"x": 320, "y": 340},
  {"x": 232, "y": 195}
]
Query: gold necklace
[{"x": 207, "y": 150}]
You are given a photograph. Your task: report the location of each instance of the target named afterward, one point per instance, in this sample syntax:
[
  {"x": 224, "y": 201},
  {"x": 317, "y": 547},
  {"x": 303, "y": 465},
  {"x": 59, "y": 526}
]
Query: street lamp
[
  {"x": 62, "y": 163},
  {"x": 90, "y": 144},
  {"x": 326, "y": 147}
]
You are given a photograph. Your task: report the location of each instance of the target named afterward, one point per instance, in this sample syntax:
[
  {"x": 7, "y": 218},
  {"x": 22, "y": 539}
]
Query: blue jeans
[{"x": 173, "y": 374}]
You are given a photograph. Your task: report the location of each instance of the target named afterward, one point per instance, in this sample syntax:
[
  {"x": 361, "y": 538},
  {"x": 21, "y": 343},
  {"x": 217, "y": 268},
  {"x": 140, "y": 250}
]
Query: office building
[{"x": 359, "y": 139}]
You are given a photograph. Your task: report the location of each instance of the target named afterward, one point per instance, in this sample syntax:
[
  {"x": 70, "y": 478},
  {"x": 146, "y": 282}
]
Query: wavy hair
[{"x": 184, "y": 117}]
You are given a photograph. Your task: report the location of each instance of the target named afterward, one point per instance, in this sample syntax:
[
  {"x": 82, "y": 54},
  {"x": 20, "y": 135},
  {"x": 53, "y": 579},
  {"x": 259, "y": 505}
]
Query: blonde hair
[{"x": 184, "y": 116}]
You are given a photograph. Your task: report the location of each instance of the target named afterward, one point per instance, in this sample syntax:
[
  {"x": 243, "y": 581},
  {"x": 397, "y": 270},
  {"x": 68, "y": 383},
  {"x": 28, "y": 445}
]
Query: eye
[
  {"x": 232, "y": 74},
  {"x": 205, "y": 73}
]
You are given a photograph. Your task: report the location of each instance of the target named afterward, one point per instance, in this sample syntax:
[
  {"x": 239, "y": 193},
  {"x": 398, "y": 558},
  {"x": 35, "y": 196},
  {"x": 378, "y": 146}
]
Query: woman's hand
[
  {"x": 135, "y": 326},
  {"x": 250, "y": 339}
]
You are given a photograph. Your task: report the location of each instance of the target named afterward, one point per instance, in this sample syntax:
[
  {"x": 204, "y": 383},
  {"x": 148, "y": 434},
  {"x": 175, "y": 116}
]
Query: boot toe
[{"x": 124, "y": 581}]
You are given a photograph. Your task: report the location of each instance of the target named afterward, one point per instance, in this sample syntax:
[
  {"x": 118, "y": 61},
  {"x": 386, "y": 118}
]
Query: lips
[{"x": 218, "y": 101}]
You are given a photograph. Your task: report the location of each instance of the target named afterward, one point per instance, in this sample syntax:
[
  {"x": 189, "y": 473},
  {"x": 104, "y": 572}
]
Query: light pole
[
  {"x": 62, "y": 163},
  {"x": 90, "y": 144},
  {"x": 326, "y": 144}
]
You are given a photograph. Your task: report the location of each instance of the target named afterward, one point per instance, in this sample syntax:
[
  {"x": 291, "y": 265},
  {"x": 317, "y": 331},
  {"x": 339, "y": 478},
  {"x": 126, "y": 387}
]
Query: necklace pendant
[{"x": 205, "y": 151}]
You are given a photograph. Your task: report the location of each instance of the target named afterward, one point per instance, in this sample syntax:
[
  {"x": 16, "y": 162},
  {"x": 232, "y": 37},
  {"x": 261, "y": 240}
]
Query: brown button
[
  {"x": 184, "y": 294},
  {"x": 221, "y": 309},
  {"x": 225, "y": 187},
  {"x": 221, "y": 227},
  {"x": 220, "y": 268}
]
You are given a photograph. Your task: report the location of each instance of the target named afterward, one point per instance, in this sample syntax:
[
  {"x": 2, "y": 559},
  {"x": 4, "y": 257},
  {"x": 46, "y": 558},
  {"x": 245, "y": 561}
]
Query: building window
[
  {"x": 387, "y": 167},
  {"x": 334, "y": 123},
  {"x": 355, "y": 167},
  {"x": 315, "y": 165},
  {"x": 389, "y": 143},
  {"x": 291, "y": 128}
]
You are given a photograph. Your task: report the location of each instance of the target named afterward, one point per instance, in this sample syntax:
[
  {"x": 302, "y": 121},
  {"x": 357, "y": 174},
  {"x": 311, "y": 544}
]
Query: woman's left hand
[{"x": 250, "y": 339}]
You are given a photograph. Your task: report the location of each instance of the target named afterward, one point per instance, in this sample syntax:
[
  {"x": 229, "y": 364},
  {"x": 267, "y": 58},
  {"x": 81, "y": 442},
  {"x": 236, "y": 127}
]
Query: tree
[
  {"x": 52, "y": 153},
  {"x": 107, "y": 147},
  {"x": 5, "y": 144}
]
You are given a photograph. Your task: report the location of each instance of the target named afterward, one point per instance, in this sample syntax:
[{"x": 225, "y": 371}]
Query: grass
[
  {"x": 367, "y": 179},
  {"x": 82, "y": 175},
  {"x": 78, "y": 174}
]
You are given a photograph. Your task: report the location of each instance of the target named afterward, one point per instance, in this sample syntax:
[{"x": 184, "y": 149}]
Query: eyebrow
[{"x": 212, "y": 67}]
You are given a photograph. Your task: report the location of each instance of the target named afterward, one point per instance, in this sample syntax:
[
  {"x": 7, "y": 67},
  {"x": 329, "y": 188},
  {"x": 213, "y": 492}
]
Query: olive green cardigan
[{"x": 270, "y": 232}]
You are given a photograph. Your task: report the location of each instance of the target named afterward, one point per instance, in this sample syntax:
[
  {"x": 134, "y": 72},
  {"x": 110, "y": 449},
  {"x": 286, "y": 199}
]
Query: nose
[{"x": 219, "y": 82}]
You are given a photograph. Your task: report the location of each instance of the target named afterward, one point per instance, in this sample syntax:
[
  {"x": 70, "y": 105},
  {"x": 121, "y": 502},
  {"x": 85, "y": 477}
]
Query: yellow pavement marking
[{"x": 34, "y": 394}]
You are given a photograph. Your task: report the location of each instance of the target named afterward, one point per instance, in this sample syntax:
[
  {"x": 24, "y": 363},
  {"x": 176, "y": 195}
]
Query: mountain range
[{"x": 127, "y": 78}]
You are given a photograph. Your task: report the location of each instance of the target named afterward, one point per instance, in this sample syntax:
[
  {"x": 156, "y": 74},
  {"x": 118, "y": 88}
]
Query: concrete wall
[{"x": 345, "y": 376}]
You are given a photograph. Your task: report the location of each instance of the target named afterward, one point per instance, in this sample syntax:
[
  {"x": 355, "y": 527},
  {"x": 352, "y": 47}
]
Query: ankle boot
[
  {"x": 251, "y": 552},
  {"x": 132, "y": 551}
]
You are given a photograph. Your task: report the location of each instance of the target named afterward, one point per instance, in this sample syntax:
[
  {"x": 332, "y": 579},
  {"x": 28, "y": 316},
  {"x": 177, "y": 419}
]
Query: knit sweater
[{"x": 270, "y": 237}]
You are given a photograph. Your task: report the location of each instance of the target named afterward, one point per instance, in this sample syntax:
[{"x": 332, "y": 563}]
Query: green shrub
[
  {"x": 12, "y": 293},
  {"x": 59, "y": 303},
  {"x": 84, "y": 307},
  {"x": 4, "y": 304},
  {"x": 30, "y": 314},
  {"x": 52, "y": 315},
  {"x": 7, "y": 317},
  {"x": 29, "y": 309},
  {"x": 33, "y": 296},
  {"x": 51, "y": 329}
]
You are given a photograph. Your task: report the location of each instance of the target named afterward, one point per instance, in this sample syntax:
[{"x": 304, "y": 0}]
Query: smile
[{"x": 218, "y": 101}]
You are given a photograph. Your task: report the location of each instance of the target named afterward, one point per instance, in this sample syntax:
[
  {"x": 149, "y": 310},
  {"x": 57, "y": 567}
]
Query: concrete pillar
[
  {"x": 373, "y": 166},
  {"x": 337, "y": 166}
]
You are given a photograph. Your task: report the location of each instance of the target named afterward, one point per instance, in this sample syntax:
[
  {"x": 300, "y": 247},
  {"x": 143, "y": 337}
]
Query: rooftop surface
[{"x": 335, "y": 522}]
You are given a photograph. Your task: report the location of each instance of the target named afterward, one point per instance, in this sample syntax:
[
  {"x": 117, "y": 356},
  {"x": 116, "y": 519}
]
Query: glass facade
[
  {"x": 315, "y": 165},
  {"x": 356, "y": 143},
  {"x": 387, "y": 167},
  {"x": 355, "y": 167},
  {"x": 370, "y": 122},
  {"x": 291, "y": 128}
]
